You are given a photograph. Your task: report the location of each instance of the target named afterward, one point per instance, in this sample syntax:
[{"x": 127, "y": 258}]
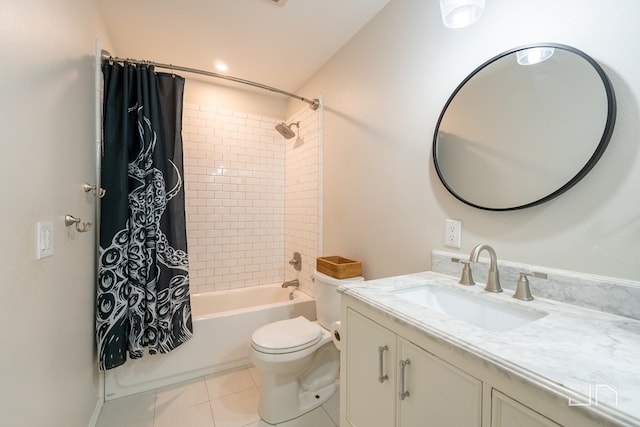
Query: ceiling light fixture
[{"x": 460, "y": 13}]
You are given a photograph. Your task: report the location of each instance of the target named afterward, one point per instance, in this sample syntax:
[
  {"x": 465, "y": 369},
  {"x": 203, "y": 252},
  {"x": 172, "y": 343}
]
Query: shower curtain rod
[{"x": 313, "y": 103}]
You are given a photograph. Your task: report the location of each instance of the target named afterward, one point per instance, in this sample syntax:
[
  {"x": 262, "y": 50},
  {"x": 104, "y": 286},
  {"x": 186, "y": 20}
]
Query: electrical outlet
[{"x": 452, "y": 233}]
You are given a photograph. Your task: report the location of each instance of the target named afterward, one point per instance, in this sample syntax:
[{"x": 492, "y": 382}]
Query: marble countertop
[{"x": 571, "y": 351}]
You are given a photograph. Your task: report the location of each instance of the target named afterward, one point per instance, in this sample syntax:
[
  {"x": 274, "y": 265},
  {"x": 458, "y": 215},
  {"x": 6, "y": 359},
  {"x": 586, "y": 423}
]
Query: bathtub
[{"x": 223, "y": 322}]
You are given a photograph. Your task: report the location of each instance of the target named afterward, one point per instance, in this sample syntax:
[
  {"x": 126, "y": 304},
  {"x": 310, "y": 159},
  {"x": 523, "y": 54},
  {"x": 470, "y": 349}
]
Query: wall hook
[
  {"x": 81, "y": 227},
  {"x": 98, "y": 192}
]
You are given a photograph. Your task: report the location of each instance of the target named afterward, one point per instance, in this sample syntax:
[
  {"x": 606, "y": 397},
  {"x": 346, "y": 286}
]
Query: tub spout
[{"x": 293, "y": 282}]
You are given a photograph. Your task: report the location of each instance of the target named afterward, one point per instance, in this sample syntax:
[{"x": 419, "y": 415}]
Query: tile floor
[{"x": 223, "y": 400}]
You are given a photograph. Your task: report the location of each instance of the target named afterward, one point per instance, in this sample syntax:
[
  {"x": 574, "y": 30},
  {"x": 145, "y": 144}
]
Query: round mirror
[{"x": 524, "y": 127}]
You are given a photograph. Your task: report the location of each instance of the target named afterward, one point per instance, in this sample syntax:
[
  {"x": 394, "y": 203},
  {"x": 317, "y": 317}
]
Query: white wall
[
  {"x": 383, "y": 94},
  {"x": 48, "y": 370}
]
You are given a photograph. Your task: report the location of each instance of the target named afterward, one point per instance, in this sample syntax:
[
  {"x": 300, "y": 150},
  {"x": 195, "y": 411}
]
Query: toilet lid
[{"x": 286, "y": 336}]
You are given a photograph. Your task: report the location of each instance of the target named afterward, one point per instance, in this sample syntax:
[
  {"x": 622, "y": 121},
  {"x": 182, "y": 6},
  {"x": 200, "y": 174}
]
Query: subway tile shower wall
[
  {"x": 234, "y": 166},
  {"x": 303, "y": 197}
]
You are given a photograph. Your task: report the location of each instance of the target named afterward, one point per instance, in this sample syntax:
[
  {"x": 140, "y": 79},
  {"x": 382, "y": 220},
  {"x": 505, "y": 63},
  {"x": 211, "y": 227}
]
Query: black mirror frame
[{"x": 602, "y": 145}]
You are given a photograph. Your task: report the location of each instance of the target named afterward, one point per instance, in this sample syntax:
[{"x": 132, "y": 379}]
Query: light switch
[{"x": 44, "y": 240}]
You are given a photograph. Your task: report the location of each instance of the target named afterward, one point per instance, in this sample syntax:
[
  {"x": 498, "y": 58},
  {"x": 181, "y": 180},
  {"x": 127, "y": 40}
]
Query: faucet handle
[
  {"x": 522, "y": 290},
  {"x": 296, "y": 261},
  {"x": 467, "y": 278}
]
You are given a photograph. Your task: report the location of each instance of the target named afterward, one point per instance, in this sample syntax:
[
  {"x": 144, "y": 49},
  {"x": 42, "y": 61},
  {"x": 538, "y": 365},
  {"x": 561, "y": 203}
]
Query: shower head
[{"x": 285, "y": 130}]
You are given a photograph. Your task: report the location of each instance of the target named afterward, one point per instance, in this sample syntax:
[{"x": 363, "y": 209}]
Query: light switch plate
[{"x": 44, "y": 240}]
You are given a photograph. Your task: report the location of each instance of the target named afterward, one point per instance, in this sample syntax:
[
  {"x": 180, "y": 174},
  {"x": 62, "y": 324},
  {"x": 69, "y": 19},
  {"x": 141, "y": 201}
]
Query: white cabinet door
[
  {"x": 506, "y": 412},
  {"x": 436, "y": 393},
  {"x": 370, "y": 373}
]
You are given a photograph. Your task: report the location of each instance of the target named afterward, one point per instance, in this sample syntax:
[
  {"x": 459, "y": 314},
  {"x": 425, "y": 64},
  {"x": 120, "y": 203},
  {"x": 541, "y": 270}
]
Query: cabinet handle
[
  {"x": 381, "y": 375},
  {"x": 403, "y": 365}
]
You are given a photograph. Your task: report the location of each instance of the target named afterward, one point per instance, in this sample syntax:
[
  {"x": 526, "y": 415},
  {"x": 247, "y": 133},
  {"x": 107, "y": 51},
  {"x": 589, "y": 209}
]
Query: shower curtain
[{"x": 143, "y": 279}]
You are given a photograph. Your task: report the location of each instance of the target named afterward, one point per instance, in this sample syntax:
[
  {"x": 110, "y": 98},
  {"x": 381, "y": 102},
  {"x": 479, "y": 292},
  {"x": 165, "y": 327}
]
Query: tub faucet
[
  {"x": 296, "y": 261},
  {"x": 493, "y": 280},
  {"x": 293, "y": 282}
]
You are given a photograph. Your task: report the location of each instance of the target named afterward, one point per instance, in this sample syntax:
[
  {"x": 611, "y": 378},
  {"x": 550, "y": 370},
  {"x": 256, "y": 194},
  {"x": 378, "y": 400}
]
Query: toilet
[{"x": 296, "y": 359}]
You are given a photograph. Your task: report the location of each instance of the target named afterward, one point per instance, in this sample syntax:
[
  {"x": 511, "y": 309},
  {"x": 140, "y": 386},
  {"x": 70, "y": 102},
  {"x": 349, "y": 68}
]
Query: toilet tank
[{"x": 327, "y": 297}]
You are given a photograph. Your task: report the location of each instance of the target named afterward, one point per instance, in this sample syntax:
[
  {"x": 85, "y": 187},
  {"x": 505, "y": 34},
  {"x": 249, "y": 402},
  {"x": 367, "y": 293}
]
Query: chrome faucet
[
  {"x": 493, "y": 280},
  {"x": 293, "y": 282}
]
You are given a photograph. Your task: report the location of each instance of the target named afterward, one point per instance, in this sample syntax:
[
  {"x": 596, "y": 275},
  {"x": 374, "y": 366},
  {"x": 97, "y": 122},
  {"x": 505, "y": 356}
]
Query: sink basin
[{"x": 489, "y": 315}]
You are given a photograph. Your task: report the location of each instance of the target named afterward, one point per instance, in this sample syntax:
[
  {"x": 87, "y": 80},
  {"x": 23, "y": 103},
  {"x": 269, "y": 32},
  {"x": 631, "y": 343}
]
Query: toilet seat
[{"x": 286, "y": 336}]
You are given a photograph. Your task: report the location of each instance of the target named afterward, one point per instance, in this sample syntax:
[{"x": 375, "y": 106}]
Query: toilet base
[
  {"x": 307, "y": 401},
  {"x": 306, "y": 383}
]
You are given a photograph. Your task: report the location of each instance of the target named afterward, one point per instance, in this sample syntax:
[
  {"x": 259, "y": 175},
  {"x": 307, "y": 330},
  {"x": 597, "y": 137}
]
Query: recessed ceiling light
[
  {"x": 222, "y": 67},
  {"x": 277, "y": 2}
]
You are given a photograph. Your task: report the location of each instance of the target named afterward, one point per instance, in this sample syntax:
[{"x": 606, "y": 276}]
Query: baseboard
[{"x": 93, "y": 422}]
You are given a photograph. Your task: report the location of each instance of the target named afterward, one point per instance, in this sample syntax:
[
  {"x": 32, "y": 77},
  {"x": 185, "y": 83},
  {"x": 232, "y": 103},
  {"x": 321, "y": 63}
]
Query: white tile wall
[
  {"x": 234, "y": 166},
  {"x": 252, "y": 198},
  {"x": 303, "y": 196}
]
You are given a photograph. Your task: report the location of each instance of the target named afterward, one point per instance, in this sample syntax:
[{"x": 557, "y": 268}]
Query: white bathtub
[{"x": 223, "y": 322}]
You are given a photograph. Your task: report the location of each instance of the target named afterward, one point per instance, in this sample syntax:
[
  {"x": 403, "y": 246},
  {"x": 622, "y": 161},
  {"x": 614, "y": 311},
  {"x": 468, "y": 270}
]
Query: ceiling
[{"x": 280, "y": 46}]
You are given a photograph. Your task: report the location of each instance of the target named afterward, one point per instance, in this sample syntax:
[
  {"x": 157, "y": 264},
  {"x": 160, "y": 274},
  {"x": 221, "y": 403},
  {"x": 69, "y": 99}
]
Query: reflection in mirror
[
  {"x": 514, "y": 136},
  {"x": 534, "y": 55}
]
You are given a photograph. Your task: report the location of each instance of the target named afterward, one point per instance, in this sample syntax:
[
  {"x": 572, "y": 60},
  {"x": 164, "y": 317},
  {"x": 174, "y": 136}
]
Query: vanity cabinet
[
  {"x": 464, "y": 371},
  {"x": 390, "y": 381},
  {"x": 441, "y": 385},
  {"x": 506, "y": 412},
  {"x": 371, "y": 355}
]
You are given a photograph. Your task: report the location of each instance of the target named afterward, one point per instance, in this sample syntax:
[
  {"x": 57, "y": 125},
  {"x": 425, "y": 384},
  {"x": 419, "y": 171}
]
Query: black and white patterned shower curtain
[{"x": 143, "y": 280}]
